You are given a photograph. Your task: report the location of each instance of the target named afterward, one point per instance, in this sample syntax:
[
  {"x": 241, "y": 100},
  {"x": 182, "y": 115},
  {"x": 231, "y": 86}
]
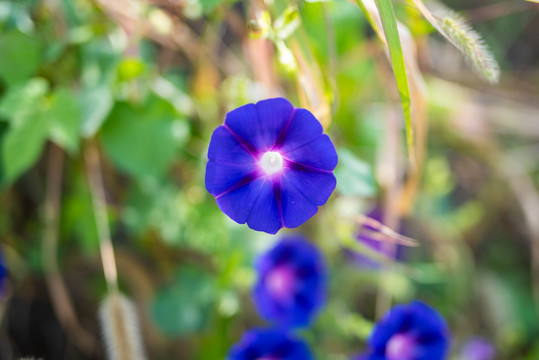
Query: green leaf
[
  {"x": 22, "y": 100},
  {"x": 154, "y": 205},
  {"x": 20, "y": 56},
  {"x": 64, "y": 117},
  {"x": 100, "y": 67},
  {"x": 100, "y": 60},
  {"x": 16, "y": 14},
  {"x": 354, "y": 177},
  {"x": 143, "y": 140},
  {"x": 33, "y": 118},
  {"x": 185, "y": 306},
  {"x": 96, "y": 105},
  {"x": 392, "y": 39},
  {"x": 22, "y": 146},
  {"x": 24, "y": 108}
]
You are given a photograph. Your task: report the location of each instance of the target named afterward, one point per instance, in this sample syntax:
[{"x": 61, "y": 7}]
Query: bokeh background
[{"x": 126, "y": 94}]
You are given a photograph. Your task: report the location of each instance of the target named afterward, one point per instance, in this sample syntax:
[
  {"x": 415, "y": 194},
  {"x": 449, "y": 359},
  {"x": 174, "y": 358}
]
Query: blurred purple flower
[
  {"x": 291, "y": 284},
  {"x": 269, "y": 344},
  {"x": 414, "y": 331},
  {"x": 478, "y": 348},
  {"x": 366, "y": 237},
  {"x": 270, "y": 166},
  {"x": 3, "y": 273}
]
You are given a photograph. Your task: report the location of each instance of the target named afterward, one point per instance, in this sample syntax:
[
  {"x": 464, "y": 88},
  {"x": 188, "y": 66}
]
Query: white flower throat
[{"x": 271, "y": 162}]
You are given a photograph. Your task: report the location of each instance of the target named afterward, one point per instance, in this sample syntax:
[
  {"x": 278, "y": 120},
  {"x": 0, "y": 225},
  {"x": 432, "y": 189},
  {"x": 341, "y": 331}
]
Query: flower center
[
  {"x": 400, "y": 347},
  {"x": 280, "y": 282},
  {"x": 271, "y": 162}
]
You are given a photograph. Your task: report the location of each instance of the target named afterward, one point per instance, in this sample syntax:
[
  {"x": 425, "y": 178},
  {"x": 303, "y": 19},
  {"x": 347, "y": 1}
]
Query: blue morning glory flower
[
  {"x": 291, "y": 284},
  {"x": 414, "y": 331},
  {"x": 270, "y": 165},
  {"x": 269, "y": 344},
  {"x": 478, "y": 348}
]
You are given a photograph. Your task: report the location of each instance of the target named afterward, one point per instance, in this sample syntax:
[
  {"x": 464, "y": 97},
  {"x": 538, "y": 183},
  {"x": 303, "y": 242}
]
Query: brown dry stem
[
  {"x": 61, "y": 300},
  {"x": 97, "y": 190}
]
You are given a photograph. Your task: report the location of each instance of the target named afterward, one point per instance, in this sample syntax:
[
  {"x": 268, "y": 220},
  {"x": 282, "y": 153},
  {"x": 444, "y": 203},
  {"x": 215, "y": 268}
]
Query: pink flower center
[
  {"x": 400, "y": 347},
  {"x": 280, "y": 282},
  {"x": 271, "y": 162}
]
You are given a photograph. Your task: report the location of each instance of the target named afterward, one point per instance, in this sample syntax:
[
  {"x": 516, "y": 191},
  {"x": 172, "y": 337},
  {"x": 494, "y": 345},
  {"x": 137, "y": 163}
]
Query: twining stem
[
  {"x": 61, "y": 301},
  {"x": 97, "y": 189}
]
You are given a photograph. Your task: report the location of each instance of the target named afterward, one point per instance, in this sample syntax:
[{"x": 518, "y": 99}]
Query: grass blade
[{"x": 389, "y": 24}]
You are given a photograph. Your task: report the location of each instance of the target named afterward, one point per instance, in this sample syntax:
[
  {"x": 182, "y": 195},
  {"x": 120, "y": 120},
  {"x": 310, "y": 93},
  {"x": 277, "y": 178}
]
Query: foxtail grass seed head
[
  {"x": 120, "y": 327},
  {"x": 460, "y": 33}
]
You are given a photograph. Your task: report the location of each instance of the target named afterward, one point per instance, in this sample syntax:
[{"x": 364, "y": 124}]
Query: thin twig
[
  {"x": 100, "y": 210},
  {"x": 61, "y": 301},
  {"x": 383, "y": 233}
]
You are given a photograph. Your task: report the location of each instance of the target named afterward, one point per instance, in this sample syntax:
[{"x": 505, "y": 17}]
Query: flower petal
[
  {"x": 274, "y": 116},
  {"x": 315, "y": 186},
  {"x": 303, "y": 128},
  {"x": 392, "y": 323},
  {"x": 225, "y": 148},
  {"x": 427, "y": 320},
  {"x": 238, "y": 203},
  {"x": 222, "y": 177},
  {"x": 265, "y": 215},
  {"x": 296, "y": 207},
  {"x": 260, "y": 124},
  {"x": 369, "y": 356},
  {"x": 269, "y": 344},
  {"x": 318, "y": 154},
  {"x": 298, "y": 306},
  {"x": 419, "y": 321}
]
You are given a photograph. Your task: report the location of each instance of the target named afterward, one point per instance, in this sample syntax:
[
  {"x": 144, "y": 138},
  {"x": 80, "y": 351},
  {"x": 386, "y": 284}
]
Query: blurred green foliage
[{"x": 146, "y": 82}]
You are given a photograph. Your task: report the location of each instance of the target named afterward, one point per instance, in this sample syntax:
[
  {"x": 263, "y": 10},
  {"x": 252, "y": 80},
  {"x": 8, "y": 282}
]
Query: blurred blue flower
[
  {"x": 478, "y": 348},
  {"x": 269, "y": 344},
  {"x": 270, "y": 166},
  {"x": 414, "y": 331},
  {"x": 291, "y": 284},
  {"x": 3, "y": 272}
]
